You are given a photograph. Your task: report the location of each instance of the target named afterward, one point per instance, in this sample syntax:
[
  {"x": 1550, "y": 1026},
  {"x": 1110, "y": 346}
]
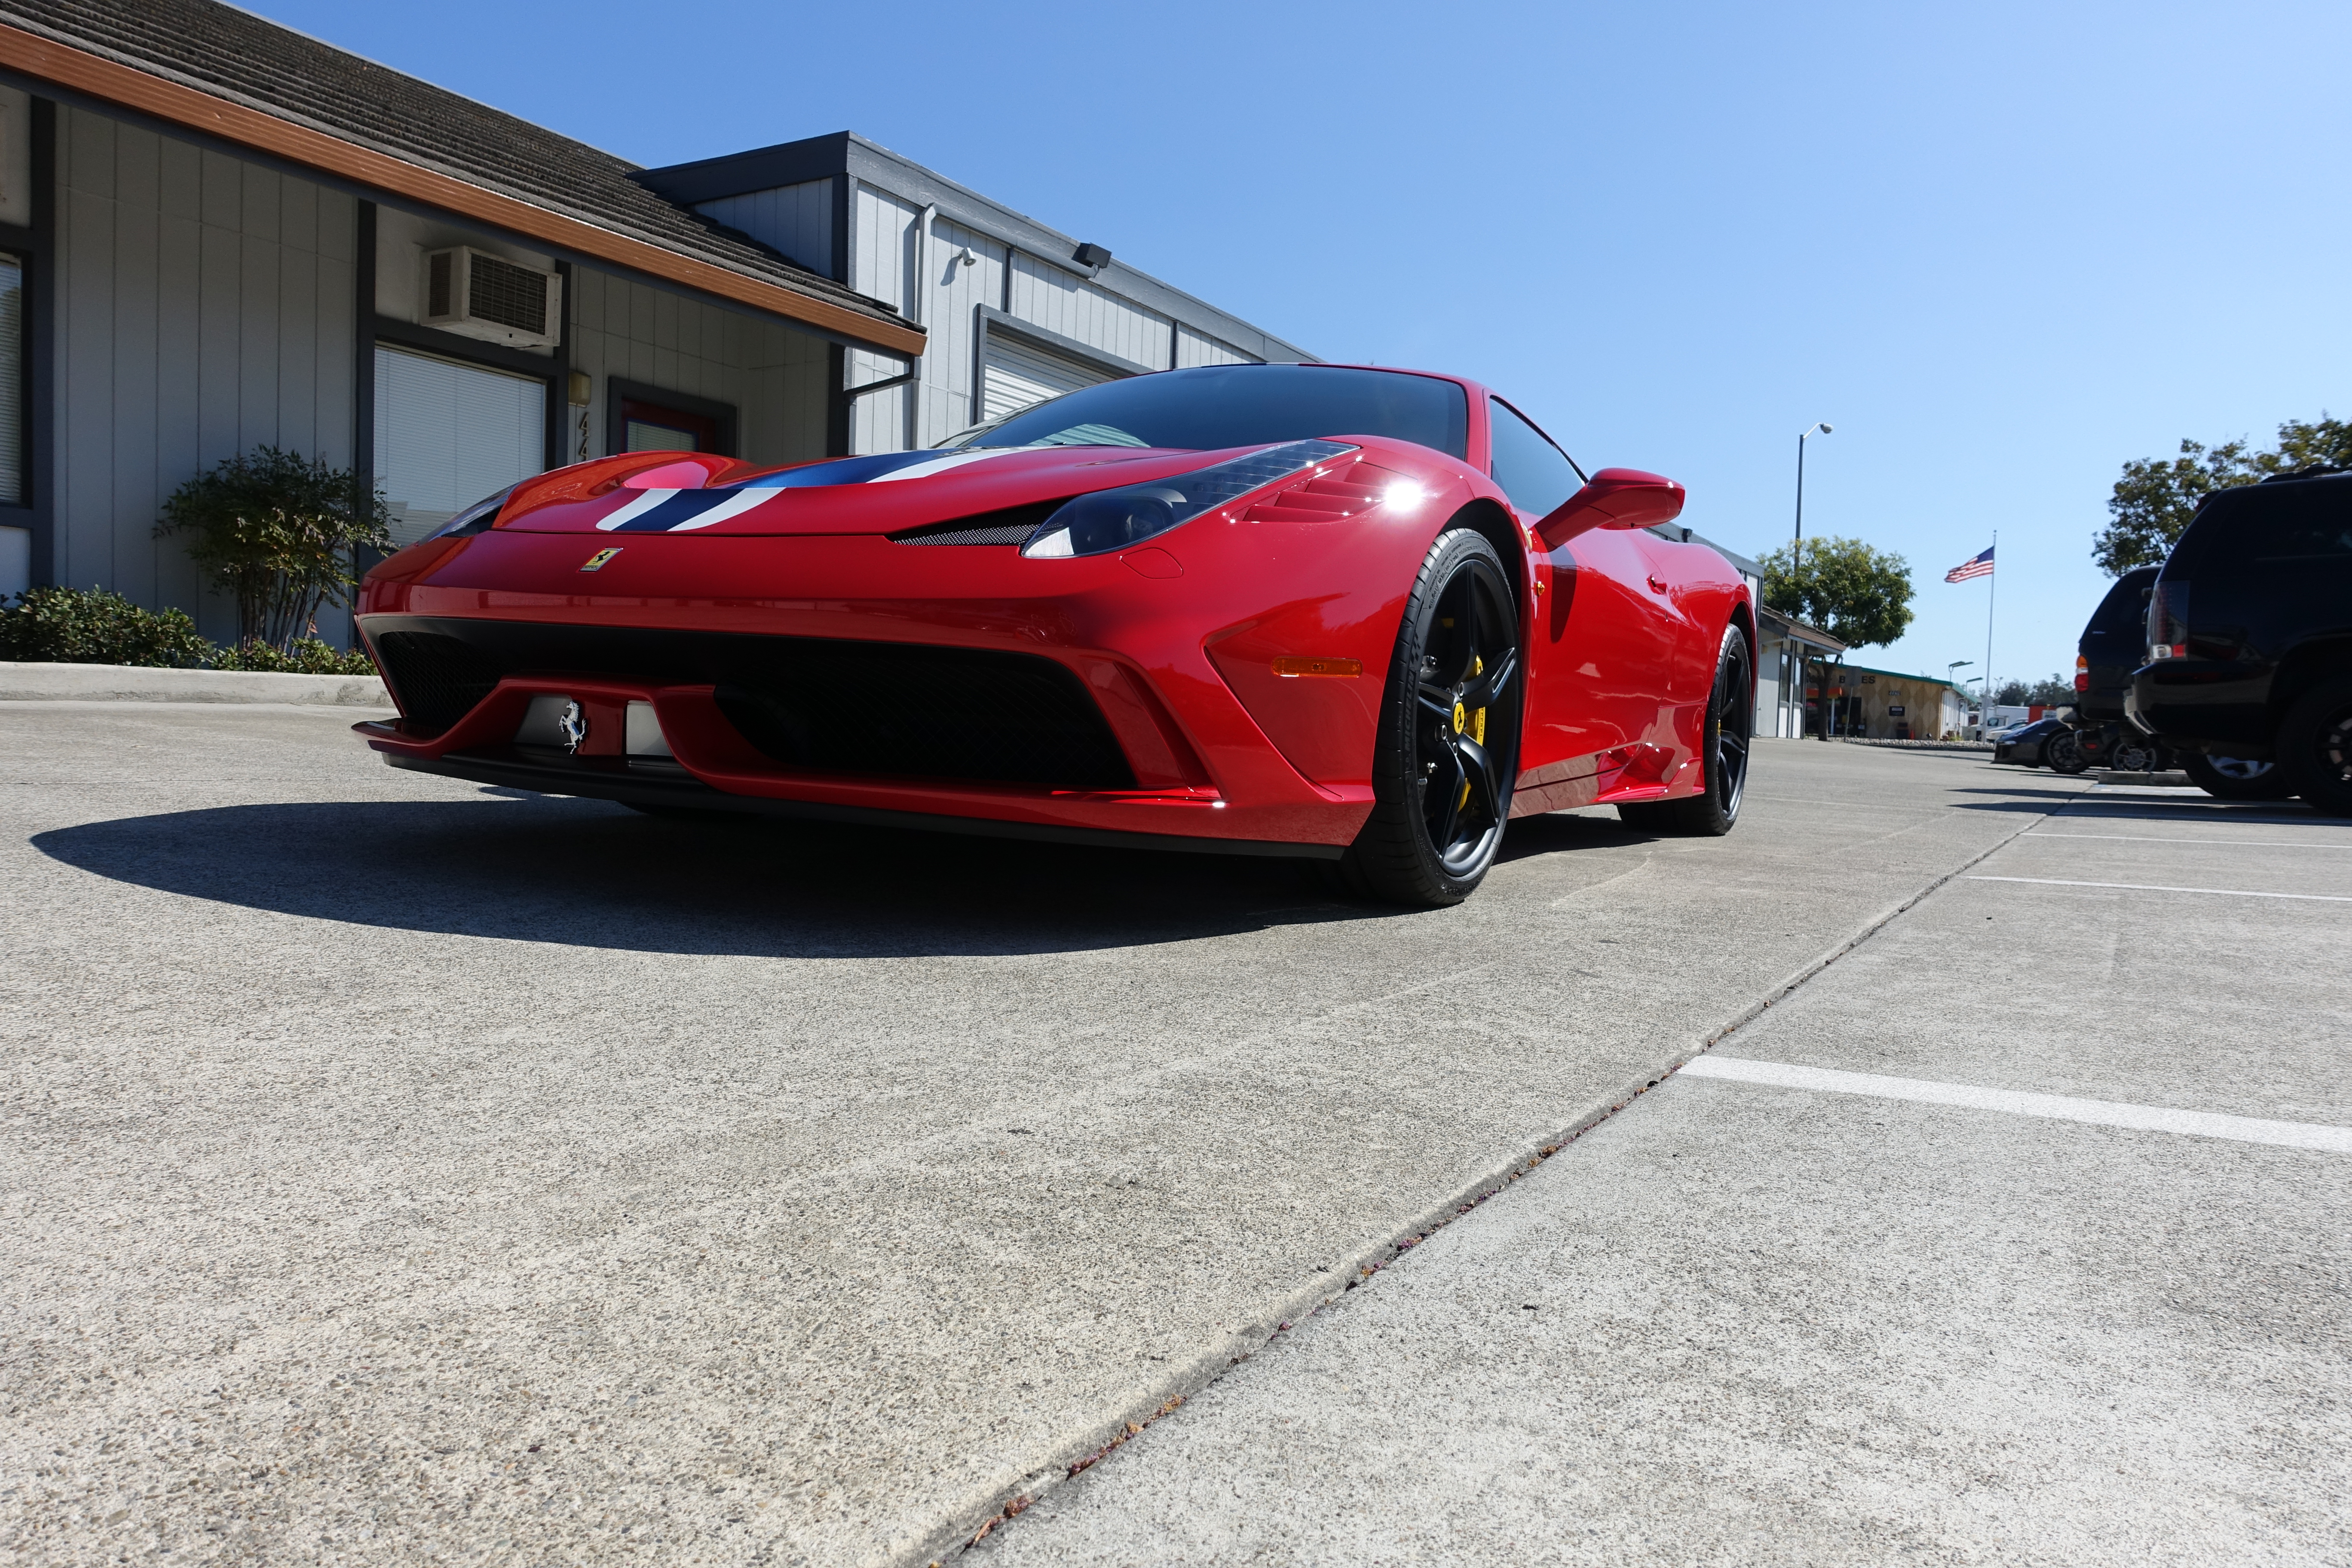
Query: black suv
[
  {"x": 2113, "y": 645},
  {"x": 2249, "y": 642}
]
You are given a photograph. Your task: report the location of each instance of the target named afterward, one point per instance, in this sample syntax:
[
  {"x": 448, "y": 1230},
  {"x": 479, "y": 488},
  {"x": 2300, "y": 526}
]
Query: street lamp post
[
  {"x": 1802, "y": 436},
  {"x": 1957, "y": 664}
]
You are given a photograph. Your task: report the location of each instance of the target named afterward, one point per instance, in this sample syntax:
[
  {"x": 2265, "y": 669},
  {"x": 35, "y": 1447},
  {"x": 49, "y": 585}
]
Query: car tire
[
  {"x": 2315, "y": 746},
  {"x": 2130, "y": 756},
  {"x": 2062, "y": 753},
  {"x": 1448, "y": 744},
  {"x": 1723, "y": 755},
  {"x": 2235, "y": 778}
]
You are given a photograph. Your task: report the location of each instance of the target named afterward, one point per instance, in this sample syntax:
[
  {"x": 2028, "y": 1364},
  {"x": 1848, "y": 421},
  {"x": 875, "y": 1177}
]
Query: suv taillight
[
  {"x": 2082, "y": 673},
  {"x": 2168, "y": 620}
]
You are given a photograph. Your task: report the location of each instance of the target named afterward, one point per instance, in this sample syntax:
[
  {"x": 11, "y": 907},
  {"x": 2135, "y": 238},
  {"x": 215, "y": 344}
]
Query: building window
[
  {"x": 652, "y": 427},
  {"x": 14, "y": 490},
  {"x": 447, "y": 434}
]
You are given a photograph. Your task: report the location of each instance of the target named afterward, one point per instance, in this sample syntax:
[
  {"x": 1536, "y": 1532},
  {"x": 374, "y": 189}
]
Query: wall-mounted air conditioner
[{"x": 484, "y": 296}]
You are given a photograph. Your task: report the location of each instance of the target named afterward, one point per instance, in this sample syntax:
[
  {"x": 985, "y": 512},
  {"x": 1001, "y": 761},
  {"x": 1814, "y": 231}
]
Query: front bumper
[{"x": 1209, "y": 743}]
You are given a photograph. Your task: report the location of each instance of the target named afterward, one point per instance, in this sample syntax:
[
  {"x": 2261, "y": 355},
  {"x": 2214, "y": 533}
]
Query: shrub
[
  {"x": 67, "y": 625},
  {"x": 275, "y": 532},
  {"x": 308, "y": 656}
]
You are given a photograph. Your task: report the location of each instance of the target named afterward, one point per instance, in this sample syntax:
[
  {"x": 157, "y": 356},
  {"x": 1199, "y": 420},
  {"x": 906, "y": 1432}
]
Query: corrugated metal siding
[
  {"x": 795, "y": 219},
  {"x": 204, "y": 308},
  {"x": 1065, "y": 303},
  {"x": 956, "y": 291},
  {"x": 1198, "y": 348},
  {"x": 1017, "y": 375},
  {"x": 883, "y": 237},
  {"x": 773, "y": 374}
]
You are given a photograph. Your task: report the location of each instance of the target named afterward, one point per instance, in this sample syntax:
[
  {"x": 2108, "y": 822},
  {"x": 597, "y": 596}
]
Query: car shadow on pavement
[{"x": 577, "y": 872}]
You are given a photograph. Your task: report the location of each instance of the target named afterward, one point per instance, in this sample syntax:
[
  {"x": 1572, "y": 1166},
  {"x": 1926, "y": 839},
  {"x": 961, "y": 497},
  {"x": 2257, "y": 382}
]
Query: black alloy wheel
[
  {"x": 1449, "y": 738},
  {"x": 2235, "y": 778},
  {"x": 1723, "y": 751},
  {"x": 2315, "y": 746},
  {"x": 2062, "y": 752},
  {"x": 2130, "y": 756}
]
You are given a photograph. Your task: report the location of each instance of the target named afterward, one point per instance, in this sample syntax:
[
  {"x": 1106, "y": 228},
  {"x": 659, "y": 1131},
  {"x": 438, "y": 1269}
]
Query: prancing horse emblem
[
  {"x": 596, "y": 562},
  {"x": 573, "y": 725}
]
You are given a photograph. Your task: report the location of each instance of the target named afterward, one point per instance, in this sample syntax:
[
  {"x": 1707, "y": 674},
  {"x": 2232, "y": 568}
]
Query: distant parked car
[
  {"x": 2025, "y": 746},
  {"x": 2250, "y": 643}
]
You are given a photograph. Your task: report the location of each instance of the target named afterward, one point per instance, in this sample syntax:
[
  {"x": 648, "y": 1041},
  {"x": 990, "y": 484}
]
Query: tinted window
[
  {"x": 1241, "y": 406},
  {"x": 2125, "y": 609},
  {"x": 2315, "y": 526},
  {"x": 1533, "y": 472}
]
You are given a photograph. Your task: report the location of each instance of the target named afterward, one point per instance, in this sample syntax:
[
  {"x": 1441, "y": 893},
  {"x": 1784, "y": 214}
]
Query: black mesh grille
[
  {"x": 828, "y": 705},
  {"x": 435, "y": 678},
  {"x": 499, "y": 291},
  {"x": 1012, "y": 525}
]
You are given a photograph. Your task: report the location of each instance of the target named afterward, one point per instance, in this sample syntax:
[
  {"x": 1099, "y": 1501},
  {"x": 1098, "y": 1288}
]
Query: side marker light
[{"x": 1339, "y": 667}]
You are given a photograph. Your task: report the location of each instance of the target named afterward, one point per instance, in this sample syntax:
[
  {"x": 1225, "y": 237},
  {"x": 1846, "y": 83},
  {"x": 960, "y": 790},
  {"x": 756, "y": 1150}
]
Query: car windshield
[{"x": 1217, "y": 406}]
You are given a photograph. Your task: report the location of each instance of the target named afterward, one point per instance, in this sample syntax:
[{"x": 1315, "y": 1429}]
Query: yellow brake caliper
[{"x": 1472, "y": 725}]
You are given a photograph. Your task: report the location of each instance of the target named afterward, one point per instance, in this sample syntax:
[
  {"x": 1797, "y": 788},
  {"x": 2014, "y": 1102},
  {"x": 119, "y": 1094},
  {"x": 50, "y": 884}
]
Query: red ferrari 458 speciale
[{"x": 1362, "y": 616}]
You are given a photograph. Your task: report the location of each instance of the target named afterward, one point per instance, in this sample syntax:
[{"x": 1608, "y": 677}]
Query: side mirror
[{"x": 1614, "y": 498}]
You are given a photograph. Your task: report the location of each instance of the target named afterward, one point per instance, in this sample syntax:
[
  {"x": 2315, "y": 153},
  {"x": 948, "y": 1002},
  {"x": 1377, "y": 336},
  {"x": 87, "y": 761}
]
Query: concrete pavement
[
  {"x": 405, "y": 1170},
  {"x": 1751, "y": 1322}
]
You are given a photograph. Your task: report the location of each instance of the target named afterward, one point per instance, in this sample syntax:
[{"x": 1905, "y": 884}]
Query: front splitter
[{"x": 692, "y": 795}]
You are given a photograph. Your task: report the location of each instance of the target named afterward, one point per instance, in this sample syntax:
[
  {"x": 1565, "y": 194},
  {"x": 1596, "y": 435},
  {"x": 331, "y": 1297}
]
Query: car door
[{"x": 1600, "y": 656}]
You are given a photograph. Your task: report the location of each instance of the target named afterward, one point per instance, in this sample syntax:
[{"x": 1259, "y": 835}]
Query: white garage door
[
  {"x": 1016, "y": 375},
  {"x": 447, "y": 434}
]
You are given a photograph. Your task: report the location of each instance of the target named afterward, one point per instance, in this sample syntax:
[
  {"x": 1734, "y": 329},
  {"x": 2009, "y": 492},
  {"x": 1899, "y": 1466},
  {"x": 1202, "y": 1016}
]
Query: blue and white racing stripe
[{"x": 678, "y": 511}]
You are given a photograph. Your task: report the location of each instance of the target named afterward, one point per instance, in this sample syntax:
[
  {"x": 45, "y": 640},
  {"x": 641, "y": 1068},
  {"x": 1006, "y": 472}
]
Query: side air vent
[
  {"x": 1012, "y": 525},
  {"x": 478, "y": 295},
  {"x": 1318, "y": 501}
]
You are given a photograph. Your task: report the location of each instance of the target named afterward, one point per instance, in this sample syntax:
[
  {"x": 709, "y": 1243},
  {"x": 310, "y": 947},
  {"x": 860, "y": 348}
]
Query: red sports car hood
[{"x": 878, "y": 494}]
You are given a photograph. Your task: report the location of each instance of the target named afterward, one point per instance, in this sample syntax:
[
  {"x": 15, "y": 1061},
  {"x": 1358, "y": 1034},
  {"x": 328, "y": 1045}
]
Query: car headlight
[
  {"x": 475, "y": 517},
  {"x": 1105, "y": 521}
]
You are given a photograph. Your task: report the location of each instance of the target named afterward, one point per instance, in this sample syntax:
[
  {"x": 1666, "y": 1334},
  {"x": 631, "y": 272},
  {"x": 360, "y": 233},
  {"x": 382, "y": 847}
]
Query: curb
[
  {"x": 28, "y": 682},
  {"x": 2169, "y": 779}
]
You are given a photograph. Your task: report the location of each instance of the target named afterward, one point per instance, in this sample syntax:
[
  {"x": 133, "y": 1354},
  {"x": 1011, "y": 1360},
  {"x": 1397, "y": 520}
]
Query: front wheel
[
  {"x": 1449, "y": 736},
  {"x": 2062, "y": 752},
  {"x": 1723, "y": 756},
  {"x": 2235, "y": 778}
]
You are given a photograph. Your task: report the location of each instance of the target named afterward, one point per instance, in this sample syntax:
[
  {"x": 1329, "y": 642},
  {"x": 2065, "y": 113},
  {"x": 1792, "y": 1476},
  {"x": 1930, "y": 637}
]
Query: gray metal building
[{"x": 217, "y": 233}]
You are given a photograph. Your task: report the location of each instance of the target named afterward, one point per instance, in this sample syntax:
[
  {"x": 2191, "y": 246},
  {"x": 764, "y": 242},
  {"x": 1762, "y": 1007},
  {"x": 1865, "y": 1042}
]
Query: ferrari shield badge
[{"x": 596, "y": 562}]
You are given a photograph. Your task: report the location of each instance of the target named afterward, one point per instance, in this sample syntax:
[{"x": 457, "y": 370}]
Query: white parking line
[
  {"x": 2159, "y": 887},
  {"x": 2156, "y": 838},
  {"x": 2056, "y": 1107}
]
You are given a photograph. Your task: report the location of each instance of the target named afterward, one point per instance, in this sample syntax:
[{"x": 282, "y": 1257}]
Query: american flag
[{"x": 1974, "y": 566}]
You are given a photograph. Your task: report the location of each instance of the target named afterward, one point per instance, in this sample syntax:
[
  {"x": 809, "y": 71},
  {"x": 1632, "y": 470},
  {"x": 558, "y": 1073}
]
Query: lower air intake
[
  {"x": 826, "y": 705},
  {"x": 435, "y": 677}
]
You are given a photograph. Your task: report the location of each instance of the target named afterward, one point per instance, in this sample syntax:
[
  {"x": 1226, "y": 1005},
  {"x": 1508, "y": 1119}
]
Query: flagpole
[{"x": 1993, "y": 587}]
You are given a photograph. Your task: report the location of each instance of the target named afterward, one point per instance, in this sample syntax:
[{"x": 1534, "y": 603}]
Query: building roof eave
[
  {"x": 89, "y": 70},
  {"x": 1800, "y": 632}
]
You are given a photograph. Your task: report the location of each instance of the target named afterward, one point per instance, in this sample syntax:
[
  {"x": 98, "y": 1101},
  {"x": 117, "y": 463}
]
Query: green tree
[
  {"x": 1857, "y": 595},
  {"x": 2050, "y": 692},
  {"x": 2156, "y": 497},
  {"x": 275, "y": 531}
]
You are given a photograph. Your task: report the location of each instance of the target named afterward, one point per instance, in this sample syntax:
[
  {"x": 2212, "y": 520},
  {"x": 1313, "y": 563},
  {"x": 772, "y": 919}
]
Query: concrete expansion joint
[{"x": 1240, "y": 1346}]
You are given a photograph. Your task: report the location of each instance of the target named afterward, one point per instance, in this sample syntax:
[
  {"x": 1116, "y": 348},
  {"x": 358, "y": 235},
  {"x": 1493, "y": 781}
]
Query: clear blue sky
[{"x": 2001, "y": 248}]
